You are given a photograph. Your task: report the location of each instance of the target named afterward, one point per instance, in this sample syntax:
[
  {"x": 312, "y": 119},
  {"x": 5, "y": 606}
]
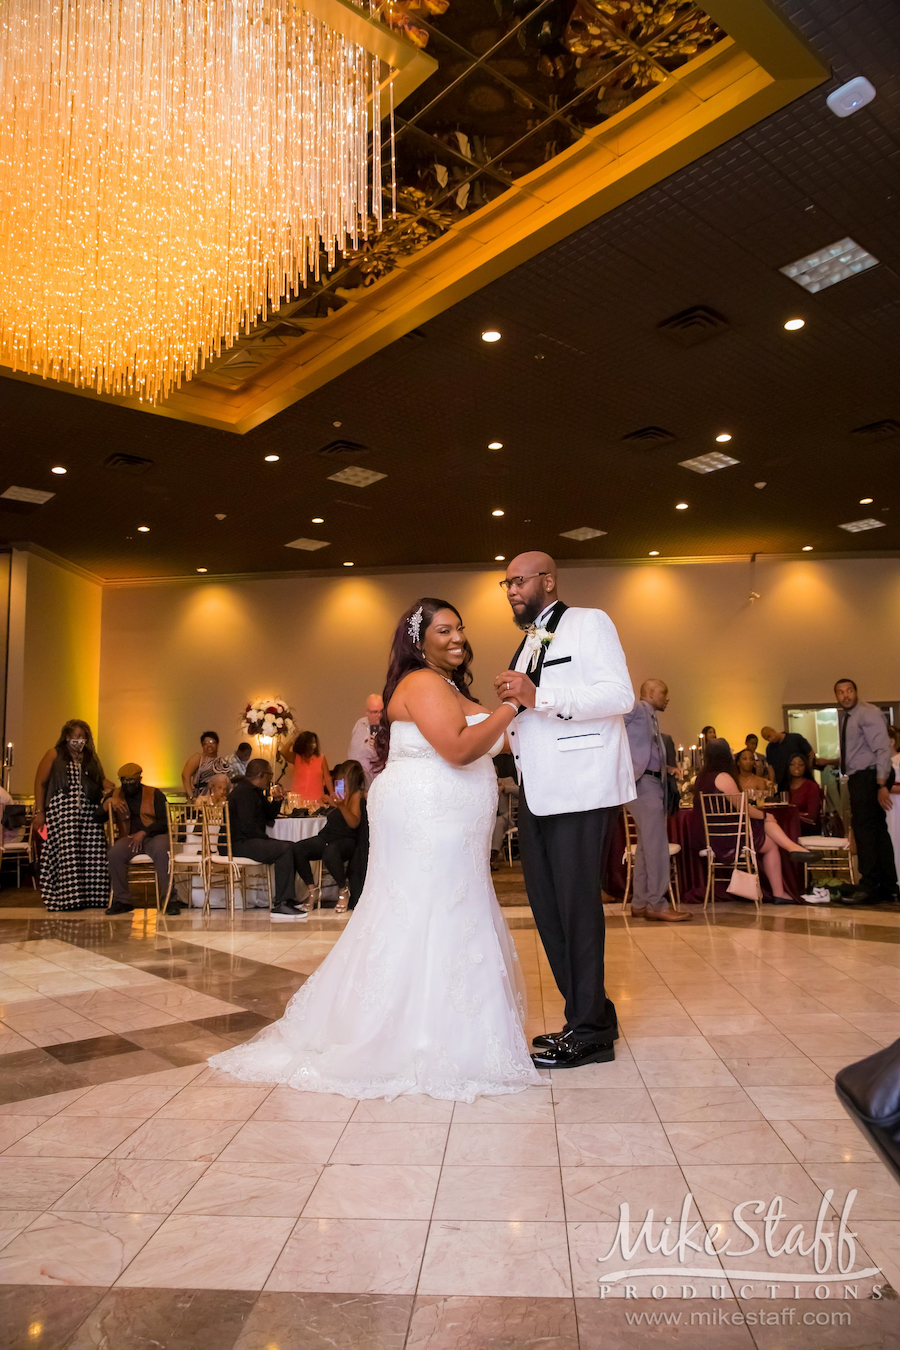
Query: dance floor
[{"x": 146, "y": 1200}]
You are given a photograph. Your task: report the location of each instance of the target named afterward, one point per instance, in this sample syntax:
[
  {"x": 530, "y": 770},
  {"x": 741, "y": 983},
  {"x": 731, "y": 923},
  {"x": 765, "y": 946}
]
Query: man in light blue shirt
[
  {"x": 865, "y": 762},
  {"x": 648, "y": 757}
]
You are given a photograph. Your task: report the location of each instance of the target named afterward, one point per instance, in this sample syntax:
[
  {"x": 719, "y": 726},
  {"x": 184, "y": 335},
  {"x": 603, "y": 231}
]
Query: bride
[{"x": 421, "y": 993}]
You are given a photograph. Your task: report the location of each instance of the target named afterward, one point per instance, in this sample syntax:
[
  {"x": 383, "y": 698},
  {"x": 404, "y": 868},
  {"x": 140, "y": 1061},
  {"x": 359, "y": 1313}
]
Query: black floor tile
[
  {"x": 96, "y": 1047},
  {"x": 165, "y": 1319},
  {"x": 42, "y": 1316}
]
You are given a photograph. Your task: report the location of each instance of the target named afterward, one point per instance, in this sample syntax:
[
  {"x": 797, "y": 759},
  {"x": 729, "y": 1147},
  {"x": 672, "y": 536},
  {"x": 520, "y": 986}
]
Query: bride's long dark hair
[{"x": 406, "y": 655}]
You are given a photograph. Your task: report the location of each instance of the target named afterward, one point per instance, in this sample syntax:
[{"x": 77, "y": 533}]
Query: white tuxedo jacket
[{"x": 571, "y": 749}]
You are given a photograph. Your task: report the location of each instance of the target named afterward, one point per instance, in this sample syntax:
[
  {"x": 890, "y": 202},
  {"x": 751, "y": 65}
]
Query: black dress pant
[
  {"x": 277, "y": 852},
  {"x": 562, "y": 861},
  {"x": 874, "y": 850},
  {"x": 335, "y": 854}
]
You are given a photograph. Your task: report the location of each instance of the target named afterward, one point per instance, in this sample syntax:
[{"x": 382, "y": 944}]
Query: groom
[{"x": 574, "y": 765}]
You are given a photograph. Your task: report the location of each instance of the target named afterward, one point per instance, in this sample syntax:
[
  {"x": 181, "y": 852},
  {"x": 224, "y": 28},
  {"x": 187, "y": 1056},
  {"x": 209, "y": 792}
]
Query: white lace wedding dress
[{"x": 422, "y": 992}]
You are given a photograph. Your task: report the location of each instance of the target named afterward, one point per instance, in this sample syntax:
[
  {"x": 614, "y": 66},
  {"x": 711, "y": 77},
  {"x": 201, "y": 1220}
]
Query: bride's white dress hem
[{"x": 422, "y": 992}]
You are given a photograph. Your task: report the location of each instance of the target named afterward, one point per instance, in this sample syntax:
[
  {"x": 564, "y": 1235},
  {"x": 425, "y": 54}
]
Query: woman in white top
[{"x": 422, "y": 993}]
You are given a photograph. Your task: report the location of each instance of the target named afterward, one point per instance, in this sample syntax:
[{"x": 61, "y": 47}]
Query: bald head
[
  {"x": 532, "y": 586},
  {"x": 374, "y": 705},
  {"x": 656, "y": 693}
]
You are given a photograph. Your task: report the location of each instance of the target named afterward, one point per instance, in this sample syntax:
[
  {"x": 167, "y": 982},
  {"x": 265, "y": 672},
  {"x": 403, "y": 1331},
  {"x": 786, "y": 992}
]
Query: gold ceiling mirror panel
[{"x": 538, "y": 117}]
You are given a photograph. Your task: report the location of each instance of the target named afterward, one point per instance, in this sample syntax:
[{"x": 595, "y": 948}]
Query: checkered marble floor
[{"x": 145, "y": 1198}]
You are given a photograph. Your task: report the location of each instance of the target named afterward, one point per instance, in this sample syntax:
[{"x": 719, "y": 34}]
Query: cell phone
[{"x": 339, "y": 787}]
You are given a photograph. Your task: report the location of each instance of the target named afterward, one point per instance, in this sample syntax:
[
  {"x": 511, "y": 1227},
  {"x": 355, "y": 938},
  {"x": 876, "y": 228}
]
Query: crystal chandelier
[{"x": 170, "y": 170}]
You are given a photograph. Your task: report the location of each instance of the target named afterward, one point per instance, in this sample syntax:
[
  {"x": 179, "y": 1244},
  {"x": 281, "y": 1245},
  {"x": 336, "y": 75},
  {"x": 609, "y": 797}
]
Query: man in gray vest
[{"x": 648, "y": 757}]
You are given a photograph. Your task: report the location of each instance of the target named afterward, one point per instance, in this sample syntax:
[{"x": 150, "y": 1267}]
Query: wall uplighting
[
  {"x": 143, "y": 529},
  {"x": 58, "y": 468},
  {"x": 793, "y": 324},
  {"x": 490, "y": 335},
  {"x": 318, "y": 520},
  {"x": 495, "y": 445},
  {"x": 681, "y": 506},
  {"x": 723, "y": 436},
  {"x": 271, "y": 459},
  {"x": 498, "y": 512}
]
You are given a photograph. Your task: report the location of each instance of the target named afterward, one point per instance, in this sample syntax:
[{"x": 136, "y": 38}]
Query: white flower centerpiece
[{"x": 271, "y": 721}]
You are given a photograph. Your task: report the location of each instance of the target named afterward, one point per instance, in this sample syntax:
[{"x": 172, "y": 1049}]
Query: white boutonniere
[{"x": 540, "y": 637}]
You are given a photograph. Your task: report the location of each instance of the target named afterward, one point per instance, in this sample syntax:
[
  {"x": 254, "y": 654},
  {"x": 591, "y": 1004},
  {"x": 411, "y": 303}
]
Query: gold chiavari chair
[
  {"x": 216, "y": 828},
  {"x": 726, "y": 820},
  {"x": 140, "y": 865},
  {"x": 631, "y": 841},
  {"x": 185, "y": 846}
]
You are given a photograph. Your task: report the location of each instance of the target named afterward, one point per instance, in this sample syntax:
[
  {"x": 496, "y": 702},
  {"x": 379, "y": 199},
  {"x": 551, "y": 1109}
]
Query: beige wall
[
  {"x": 179, "y": 658},
  {"x": 53, "y": 671}
]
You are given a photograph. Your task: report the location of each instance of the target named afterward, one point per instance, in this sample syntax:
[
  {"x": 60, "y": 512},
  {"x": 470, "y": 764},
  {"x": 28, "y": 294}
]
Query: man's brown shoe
[{"x": 668, "y": 915}]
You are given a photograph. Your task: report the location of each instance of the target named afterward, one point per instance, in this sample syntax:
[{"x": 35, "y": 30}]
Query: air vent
[
  {"x": 649, "y": 436},
  {"x": 340, "y": 447},
  {"x": 356, "y": 477},
  {"x": 24, "y": 500},
  {"x": 583, "y": 533},
  {"x": 694, "y": 325},
  {"x": 132, "y": 464},
  {"x": 309, "y": 545},
  {"x": 878, "y": 431}
]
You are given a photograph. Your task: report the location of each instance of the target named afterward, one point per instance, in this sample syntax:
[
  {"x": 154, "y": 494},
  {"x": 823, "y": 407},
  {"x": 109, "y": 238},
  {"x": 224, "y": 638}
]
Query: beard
[{"x": 529, "y": 613}]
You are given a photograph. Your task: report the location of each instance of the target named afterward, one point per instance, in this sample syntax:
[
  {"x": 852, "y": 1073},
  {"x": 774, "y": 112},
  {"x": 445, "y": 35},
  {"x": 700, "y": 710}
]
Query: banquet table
[
  {"x": 689, "y": 865},
  {"x": 293, "y": 828}
]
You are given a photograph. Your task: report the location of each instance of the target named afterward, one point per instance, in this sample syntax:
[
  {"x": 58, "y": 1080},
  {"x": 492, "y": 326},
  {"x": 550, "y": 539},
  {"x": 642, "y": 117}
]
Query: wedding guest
[
  {"x": 142, "y": 826},
  {"x": 760, "y": 763},
  {"x": 718, "y": 775},
  {"x": 217, "y": 789},
  {"x": 893, "y": 816},
  {"x": 200, "y": 767},
  {"x": 805, "y": 793},
  {"x": 866, "y": 762},
  {"x": 362, "y": 737},
  {"x": 311, "y": 778},
  {"x": 237, "y": 763},
  {"x": 781, "y": 748},
  {"x": 250, "y": 814},
  {"x": 748, "y": 780},
  {"x": 707, "y": 733},
  {"x": 336, "y": 841},
  {"x": 648, "y": 757},
  {"x": 69, "y": 787}
]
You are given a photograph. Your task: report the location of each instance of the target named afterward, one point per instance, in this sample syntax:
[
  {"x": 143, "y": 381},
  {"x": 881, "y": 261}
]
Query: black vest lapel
[
  {"x": 512, "y": 664},
  {"x": 559, "y": 610}
]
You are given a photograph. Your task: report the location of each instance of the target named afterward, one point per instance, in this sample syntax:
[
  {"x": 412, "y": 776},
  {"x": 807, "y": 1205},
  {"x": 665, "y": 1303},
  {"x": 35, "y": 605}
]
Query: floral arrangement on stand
[{"x": 269, "y": 719}]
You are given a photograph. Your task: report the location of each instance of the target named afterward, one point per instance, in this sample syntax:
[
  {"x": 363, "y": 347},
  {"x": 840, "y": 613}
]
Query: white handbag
[{"x": 744, "y": 884}]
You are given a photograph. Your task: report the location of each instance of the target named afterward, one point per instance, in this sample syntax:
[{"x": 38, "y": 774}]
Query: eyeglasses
[{"x": 519, "y": 582}]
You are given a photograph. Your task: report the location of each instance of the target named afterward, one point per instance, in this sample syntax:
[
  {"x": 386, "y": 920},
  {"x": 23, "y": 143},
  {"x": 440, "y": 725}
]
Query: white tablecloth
[{"x": 293, "y": 828}]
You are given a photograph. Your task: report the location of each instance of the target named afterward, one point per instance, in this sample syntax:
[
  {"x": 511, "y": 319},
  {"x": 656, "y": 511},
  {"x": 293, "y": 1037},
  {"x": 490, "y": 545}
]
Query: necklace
[{"x": 452, "y": 683}]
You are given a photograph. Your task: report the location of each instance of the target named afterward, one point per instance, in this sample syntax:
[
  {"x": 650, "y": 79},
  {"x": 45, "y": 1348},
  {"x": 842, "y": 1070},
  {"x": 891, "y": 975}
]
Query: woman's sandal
[{"x": 343, "y": 901}]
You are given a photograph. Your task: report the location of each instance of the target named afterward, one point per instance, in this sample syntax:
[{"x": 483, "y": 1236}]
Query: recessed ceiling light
[
  {"x": 807, "y": 548},
  {"x": 724, "y": 436},
  {"x": 143, "y": 529},
  {"x": 490, "y": 335},
  {"x": 829, "y": 265},
  {"x": 581, "y": 534},
  {"x": 759, "y": 485},
  {"x": 681, "y": 506},
  {"x": 498, "y": 512},
  {"x": 499, "y": 557},
  {"x": 337, "y": 424},
  {"x": 708, "y": 463},
  {"x": 793, "y": 324},
  {"x": 495, "y": 445},
  {"x": 220, "y": 517},
  {"x": 318, "y": 520},
  {"x": 348, "y": 564},
  {"x": 58, "y": 468},
  {"x": 201, "y": 569},
  {"x": 855, "y": 526},
  {"x": 271, "y": 459},
  {"x": 654, "y": 553},
  {"x": 866, "y": 501}
]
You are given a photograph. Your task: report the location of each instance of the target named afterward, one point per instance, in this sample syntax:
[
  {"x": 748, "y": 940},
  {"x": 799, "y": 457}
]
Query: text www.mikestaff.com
[{"x": 721, "y": 1317}]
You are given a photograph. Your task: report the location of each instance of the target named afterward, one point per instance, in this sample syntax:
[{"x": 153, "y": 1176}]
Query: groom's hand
[{"x": 510, "y": 684}]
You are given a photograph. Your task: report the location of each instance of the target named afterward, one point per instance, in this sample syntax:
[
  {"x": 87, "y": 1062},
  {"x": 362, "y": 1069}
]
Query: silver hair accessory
[{"x": 415, "y": 623}]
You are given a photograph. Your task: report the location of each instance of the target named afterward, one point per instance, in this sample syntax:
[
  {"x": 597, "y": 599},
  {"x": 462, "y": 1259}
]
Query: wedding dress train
[{"x": 422, "y": 992}]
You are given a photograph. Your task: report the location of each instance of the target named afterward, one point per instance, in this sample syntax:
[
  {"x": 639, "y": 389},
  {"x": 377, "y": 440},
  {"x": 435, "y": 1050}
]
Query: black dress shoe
[
  {"x": 552, "y": 1038},
  {"x": 858, "y": 897},
  {"x": 571, "y": 1054},
  {"x": 174, "y": 907},
  {"x": 117, "y": 907}
]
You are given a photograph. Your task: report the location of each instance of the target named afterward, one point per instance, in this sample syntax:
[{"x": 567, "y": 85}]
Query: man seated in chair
[
  {"x": 250, "y": 813},
  {"x": 142, "y": 827}
]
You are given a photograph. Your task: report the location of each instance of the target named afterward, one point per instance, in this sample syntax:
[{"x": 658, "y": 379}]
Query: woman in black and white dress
[{"x": 69, "y": 789}]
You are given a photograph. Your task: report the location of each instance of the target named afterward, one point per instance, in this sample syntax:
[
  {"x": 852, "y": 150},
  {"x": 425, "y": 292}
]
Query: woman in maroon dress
[
  {"x": 718, "y": 775},
  {"x": 806, "y": 795}
]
